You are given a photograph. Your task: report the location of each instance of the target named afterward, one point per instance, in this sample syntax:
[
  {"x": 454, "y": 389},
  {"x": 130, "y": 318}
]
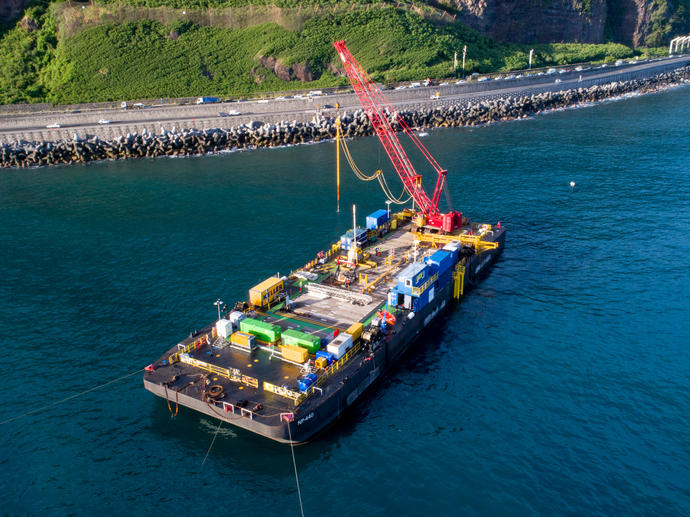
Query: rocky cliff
[
  {"x": 11, "y": 9},
  {"x": 632, "y": 22},
  {"x": 528, "y": 21}
]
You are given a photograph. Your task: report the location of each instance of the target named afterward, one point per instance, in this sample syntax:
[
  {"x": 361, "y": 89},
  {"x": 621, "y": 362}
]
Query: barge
[{"x": 302, "y": 348}]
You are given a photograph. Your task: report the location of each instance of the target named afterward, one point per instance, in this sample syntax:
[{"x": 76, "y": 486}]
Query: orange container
[
  {"x": 296, "y": 354},
  {"x": 243, "y": 339}
]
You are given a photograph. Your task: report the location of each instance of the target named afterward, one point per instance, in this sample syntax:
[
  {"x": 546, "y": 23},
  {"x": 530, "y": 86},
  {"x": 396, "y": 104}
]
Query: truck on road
[{"x": 207, "y": 100}]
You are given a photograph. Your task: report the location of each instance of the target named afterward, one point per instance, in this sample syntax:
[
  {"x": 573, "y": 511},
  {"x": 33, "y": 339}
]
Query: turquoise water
[{"x": 559, "y": 386}]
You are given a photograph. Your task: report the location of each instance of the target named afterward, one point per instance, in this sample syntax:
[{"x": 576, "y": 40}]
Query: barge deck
[{"x": 335, "y": 298}]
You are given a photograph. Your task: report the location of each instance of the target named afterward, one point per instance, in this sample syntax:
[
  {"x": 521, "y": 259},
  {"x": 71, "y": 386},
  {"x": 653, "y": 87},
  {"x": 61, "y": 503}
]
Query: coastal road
[{"x": 83, "y": 120}]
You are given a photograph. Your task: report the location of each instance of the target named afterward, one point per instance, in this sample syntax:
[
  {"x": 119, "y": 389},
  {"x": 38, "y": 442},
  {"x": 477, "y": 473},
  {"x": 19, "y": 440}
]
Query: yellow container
[
  {"x": 264, "y": 293},
  {"x": 296, "y": 354},
  {"x": 394, "y": 224},
  {"x": 321, "y": 362},
  {"x": 355, "y": 331},
  {"x": 241, "y": 339}
]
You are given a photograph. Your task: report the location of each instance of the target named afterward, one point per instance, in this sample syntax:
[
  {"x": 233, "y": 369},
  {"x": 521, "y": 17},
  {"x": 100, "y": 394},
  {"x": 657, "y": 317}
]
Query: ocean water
[{"x": 560, "y": 386}]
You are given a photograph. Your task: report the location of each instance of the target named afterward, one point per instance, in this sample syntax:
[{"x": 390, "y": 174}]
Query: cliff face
[
  {"x": 11, "y": 9},
  {"x": 632, "y": 22},
  {"x": 528, "y": 21}
]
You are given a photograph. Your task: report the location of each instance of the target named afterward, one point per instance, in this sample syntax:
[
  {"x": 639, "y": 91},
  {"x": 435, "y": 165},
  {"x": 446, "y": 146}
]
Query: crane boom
[{"x": 380, "y": 112}]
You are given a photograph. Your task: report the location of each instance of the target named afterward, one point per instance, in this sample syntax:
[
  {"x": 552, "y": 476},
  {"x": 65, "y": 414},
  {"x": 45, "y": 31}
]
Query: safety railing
[{"x": 284, "y": 392}]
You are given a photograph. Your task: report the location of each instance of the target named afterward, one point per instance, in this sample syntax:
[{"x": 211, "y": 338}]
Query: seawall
[{"x": 255, "y": 134}]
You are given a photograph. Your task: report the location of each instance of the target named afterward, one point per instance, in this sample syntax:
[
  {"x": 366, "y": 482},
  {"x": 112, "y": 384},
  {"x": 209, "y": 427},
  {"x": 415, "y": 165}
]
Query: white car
[
  {"x": 416, "y": 85},
  {"x": 482, "y": 79},
  {"x": 103, "y": 121},
  {"x": 443, "y": 84},
  {"x": 579, "y": 69},
  {"x": 54, "y": 125},
  {"x": 461, "y": 81},
  {"x": 401, "y": 87},
  {"x": 557, "y": 81}
]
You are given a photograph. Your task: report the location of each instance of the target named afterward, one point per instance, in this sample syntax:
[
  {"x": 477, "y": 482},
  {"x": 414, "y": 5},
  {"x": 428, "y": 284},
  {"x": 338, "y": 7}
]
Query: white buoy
[{"x": 572, "y": 184}]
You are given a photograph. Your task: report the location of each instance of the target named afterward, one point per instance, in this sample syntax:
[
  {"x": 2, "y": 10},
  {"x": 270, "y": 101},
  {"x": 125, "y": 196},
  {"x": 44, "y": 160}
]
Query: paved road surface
[{"x": 84, "y": 122}]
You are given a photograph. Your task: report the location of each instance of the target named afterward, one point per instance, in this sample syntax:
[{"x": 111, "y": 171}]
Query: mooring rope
[
  {"x": 212, "y": 442},
  {"x": 294, "y": 464},
  {"x": 69, "y": 398}
]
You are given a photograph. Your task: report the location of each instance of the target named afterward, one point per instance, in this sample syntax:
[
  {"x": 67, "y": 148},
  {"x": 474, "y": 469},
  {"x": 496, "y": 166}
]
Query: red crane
[{"x": 379, "y": 112}]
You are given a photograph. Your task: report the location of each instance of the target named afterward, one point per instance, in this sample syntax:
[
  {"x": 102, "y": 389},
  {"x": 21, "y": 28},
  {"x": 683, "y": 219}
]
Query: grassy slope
[{"x": 138, "y": 60}]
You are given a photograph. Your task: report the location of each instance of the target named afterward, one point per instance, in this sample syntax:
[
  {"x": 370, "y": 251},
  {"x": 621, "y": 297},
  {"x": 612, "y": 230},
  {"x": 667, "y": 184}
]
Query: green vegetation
[
  {"x": 667, "y": 20},
  {"x": 24, "y": 55},
  {"x": 150, "y": 59}
]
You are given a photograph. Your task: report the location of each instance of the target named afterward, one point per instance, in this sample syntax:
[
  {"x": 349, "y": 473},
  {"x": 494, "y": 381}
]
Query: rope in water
[
  {"x": 212, "y": 442},
  {"x": 294, "y": 464},
  {"x": 69, "y": 398}
]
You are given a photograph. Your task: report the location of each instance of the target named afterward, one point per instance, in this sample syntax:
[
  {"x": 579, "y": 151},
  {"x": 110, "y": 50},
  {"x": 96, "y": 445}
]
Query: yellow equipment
[
  {"x": 355, "y": 331},
  {"x": 296, "y": 354},
  {"x": 266, "y": 292}
]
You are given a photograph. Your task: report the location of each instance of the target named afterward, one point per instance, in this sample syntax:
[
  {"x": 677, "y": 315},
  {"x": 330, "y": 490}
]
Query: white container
[
  {"x": 224, "y": 328},
  {"x": 236, "y": 317},
  {"x": 341, "y": 344}
]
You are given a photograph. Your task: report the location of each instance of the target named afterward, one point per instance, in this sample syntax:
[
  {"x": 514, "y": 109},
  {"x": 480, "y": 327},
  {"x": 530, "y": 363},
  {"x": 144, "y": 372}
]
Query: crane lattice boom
[{"x": 379, "y": 111}]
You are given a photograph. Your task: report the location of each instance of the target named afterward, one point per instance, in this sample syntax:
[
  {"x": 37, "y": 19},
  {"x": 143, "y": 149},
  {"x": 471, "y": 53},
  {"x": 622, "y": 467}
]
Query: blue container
[
  {"x": 346, "y": 239},
  {"x": 327, "y": 355},
  {"x": 377, "y": 219},
  {"x": 443, "y": 259},
  {"x": 445, "y": 278}
]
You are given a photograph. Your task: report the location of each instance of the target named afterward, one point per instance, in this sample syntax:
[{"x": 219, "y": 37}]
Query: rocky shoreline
[{"x": 258, "y": 134}]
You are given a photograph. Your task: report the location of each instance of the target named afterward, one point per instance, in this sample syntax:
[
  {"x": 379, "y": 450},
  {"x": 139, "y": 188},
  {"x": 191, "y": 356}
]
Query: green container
[
  {"x": 264, "y": 331},
  {"x": 297, "y": 338}
]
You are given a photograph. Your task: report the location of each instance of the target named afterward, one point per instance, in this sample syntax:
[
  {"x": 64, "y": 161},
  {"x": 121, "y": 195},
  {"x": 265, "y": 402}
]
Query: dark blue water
[{"x": 560, "y": 386}]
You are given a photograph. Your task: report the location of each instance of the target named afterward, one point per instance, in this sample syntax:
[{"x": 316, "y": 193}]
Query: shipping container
[
  {"x": 321, "y": 362},
  {"x": 355, "y": 330},
  {"x": 443, "y": 260},
  {"x": 236, "y": 317},
  {"x": 297, "y": 338},
  {"x": 346, "y": 239},
  {"x": 244, "y": 340},
  {"x": 224, "y": 328},
  {"x": 264, "y": 331},
  {"x": 294, "y": 353},
  {"x": 454, "y": 247},
  {"x": 413, "y": 276},
  {"x": 340, "y": 345},
  {"x": 266, "y": 292},
  {"x": 377, "y": 219}
]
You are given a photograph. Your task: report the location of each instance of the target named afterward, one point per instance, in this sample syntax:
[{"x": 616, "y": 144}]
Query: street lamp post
[
  {"x": 531, "y": 52},
  {"x": 218, "y": 303},
  {"x": 388, "y": 203}
]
